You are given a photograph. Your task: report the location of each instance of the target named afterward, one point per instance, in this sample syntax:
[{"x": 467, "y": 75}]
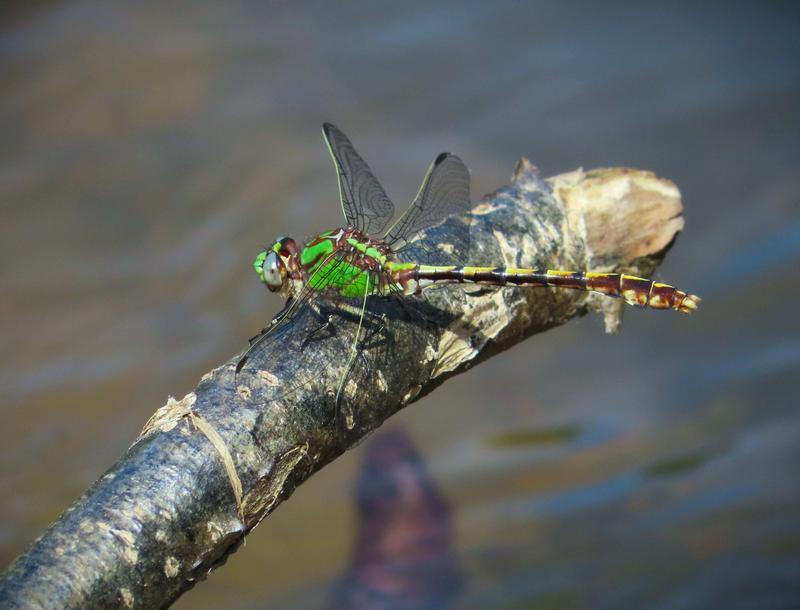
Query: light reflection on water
[{"x": 147, "y": 153}]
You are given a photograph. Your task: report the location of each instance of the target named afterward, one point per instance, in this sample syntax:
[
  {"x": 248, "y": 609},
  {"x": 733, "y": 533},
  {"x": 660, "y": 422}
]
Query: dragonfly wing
[
  {"x": 364, "y": 202},
  {"x": 442, "y": 198}
]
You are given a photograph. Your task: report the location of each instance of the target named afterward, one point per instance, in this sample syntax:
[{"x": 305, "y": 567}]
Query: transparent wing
[
  {"x": 435, "y": 228},
  {"x": 364, "y": 202}
]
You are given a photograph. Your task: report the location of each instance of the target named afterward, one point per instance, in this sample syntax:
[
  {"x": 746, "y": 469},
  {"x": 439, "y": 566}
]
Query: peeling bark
[{"x": 208, "y": 468}]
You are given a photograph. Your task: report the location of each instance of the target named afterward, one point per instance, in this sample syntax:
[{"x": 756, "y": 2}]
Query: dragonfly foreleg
[
  {"x": 326, "y": 324},
  {"x": 275, "y": 319}
]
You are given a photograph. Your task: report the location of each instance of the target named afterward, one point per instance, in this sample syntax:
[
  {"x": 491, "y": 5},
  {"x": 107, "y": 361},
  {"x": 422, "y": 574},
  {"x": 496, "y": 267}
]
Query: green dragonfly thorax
[{"x": 342, "y": 259}]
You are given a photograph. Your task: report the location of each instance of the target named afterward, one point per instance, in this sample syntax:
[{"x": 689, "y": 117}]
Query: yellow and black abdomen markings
[
  {"x": 635, "y": 290},
  {"x": 641, "y": 292},
  {"x": 501, "y": 276}
]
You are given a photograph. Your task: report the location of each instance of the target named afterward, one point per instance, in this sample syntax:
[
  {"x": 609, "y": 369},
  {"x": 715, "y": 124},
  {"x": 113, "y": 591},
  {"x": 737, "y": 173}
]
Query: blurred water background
[{"x": 147, "y": 151}]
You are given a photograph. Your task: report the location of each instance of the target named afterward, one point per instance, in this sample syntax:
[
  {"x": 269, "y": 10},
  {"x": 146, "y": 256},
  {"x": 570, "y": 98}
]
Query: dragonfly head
[{"x": 273, "y": 265}]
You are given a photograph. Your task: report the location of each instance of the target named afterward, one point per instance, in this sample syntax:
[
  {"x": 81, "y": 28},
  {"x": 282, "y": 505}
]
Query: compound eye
[{"x": 272, "y": 271}]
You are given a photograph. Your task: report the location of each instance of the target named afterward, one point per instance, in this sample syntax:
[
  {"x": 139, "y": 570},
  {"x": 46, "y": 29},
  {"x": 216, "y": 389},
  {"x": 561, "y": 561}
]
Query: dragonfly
[{"x": 350, "y": 267}]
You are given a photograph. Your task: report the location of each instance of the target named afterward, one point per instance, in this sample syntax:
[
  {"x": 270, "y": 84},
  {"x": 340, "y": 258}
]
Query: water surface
[{"x": 149, "y": 150}]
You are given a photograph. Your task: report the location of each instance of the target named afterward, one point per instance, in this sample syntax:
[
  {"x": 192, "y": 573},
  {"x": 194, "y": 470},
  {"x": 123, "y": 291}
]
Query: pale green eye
[{"x": 271, "y": 272}]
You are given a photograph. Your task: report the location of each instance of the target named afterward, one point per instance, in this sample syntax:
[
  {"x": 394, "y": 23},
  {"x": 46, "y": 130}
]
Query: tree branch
[{"x": 208, "y": 468}]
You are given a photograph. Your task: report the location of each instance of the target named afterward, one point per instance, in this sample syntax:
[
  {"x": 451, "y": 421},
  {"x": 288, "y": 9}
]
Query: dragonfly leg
[
  {"x": 284, "y": 310},
  {"x": 377, "y": 324},
  {"x": 326, "y": 324},
  {"x": 277, "y": 318}
]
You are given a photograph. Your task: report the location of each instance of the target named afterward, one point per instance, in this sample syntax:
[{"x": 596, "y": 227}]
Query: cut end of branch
[
  {"x": 627, "y": 213},
  {"x": 624, "y": 215}
]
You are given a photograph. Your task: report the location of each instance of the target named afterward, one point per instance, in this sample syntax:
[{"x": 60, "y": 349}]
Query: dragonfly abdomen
[{"x": 635, "y": 290}]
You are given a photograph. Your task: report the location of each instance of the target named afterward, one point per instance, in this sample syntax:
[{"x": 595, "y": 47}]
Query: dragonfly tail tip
[{"x": 689, "y": 303}]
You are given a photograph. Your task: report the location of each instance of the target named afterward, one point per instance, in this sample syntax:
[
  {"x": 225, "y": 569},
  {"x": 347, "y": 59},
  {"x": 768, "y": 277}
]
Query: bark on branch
[{"x": 208, "y": 468}]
